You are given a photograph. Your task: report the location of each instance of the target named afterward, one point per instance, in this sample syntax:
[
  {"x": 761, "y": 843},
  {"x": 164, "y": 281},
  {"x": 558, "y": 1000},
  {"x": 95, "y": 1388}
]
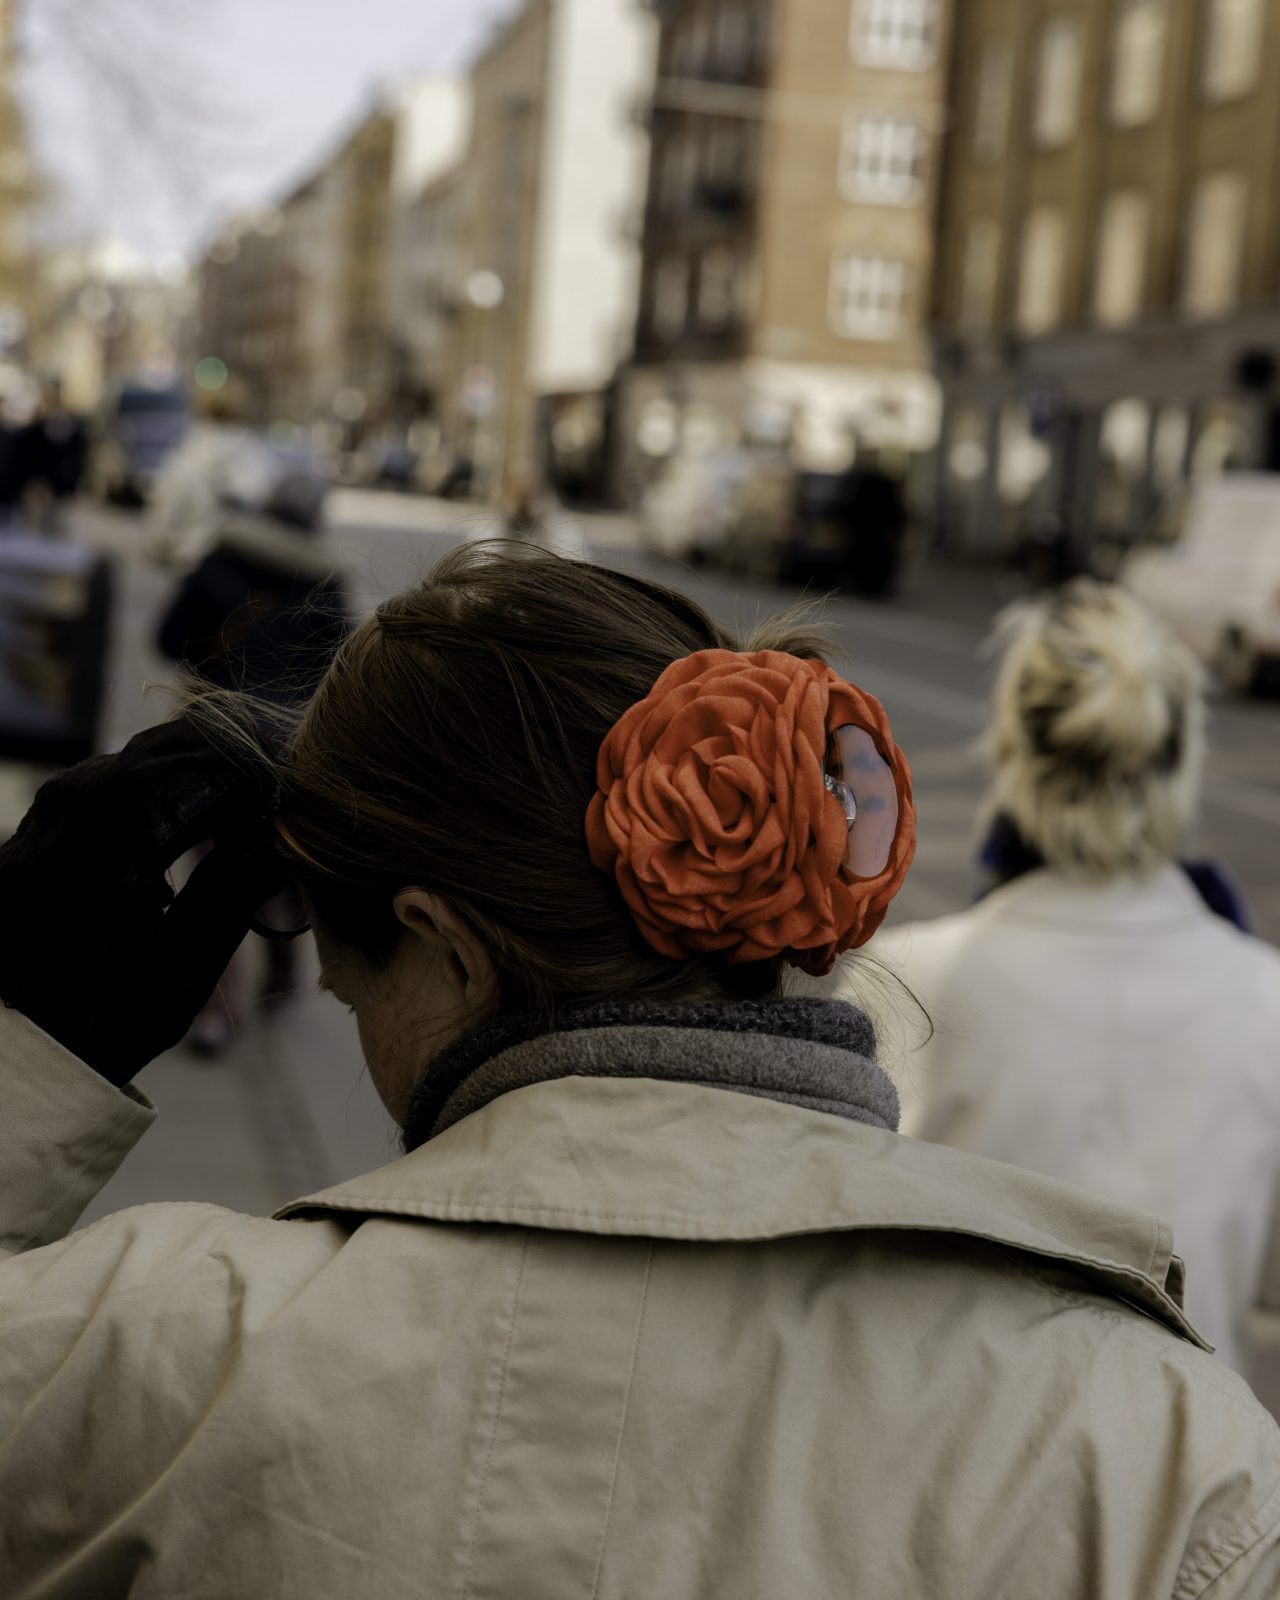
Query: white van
[{"x": 1212, "y": 571}]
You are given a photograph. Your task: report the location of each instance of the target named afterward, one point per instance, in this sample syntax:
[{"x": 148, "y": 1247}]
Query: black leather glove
[{"x": 94, "y": 946}]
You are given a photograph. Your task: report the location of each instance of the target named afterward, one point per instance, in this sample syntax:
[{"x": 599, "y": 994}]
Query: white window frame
[
  {"x": 868, "y": 295},
  {"x": 994, "y": 102},
  {"x": 1041, "y": 271},
  {"x": 1219, "y": 201},
  {"x": 901, "y": 35},
  {"x": 1231, "y": 53},
  {"x": 883, "y": 158},
  {"x": 1139, "y": 55},
  {"x": 1055, "y": 109},
  {"x": 1124, "y": 219}
]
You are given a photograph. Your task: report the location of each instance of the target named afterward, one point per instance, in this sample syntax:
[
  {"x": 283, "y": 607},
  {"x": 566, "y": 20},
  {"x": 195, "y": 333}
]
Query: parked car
[
  {"x": 1210, "y": 567},
  {"x": 690, "y": 511},
  {"x": 843, "y": 528},
  {"x": 140, "y": 430}
]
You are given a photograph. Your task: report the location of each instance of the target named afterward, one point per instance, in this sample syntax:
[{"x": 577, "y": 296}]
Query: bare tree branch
[{"x": 138, "y": 65}]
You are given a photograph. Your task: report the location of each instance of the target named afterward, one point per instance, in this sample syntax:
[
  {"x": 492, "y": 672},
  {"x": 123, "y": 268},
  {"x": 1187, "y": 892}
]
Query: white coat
[
  {"x": 214, "y": 463},
  {"x": 1119, "y": 1037}
]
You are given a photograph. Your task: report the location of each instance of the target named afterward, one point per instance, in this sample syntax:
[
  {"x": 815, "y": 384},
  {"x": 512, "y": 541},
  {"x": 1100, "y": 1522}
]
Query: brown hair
[{"x": 453, "y": 745}]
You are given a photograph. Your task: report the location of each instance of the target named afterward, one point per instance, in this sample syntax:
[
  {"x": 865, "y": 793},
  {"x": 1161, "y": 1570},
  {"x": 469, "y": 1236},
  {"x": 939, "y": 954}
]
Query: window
[
  {"x": 717, "y": 285},
  {"x": 1232, "y": 47},
  {"x": 698, "y": 45},
  {"x": 979, "y": 275},
  {"x": 682, "y": 49},
  {"x": 995, "y": 96},
  {"x": 1040, "y": 276},
  {"x": 1120, "y": 277},
  {"x": 1215, "y": 239},
  {"x": 1057, "y": 88},
  {"x": 868, "y": 295},
  {"x": 882, "y": 159},
  {"x": 733, "y": 37},
  {"x": 670, "y": 297},
  {"x": 1137, "y": 61},
  {"x": 894, "y": 33},
  {"x": 723, "y": 157},
  {"x": 678, "y": 172}
]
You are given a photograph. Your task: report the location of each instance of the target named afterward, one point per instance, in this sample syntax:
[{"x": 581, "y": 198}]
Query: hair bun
[
  {"x": 713, "y": 813},
  {"x": 1098, "y": 730},
  {"x": 1099, "y": 685}
]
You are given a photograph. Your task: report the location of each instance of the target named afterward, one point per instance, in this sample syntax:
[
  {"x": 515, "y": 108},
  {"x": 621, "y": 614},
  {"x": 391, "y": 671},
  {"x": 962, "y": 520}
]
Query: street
[{"x": 291, "y": 1109}]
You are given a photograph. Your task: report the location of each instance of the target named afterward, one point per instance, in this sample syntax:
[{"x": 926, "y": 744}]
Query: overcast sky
[{"x": 275, "y": 82}]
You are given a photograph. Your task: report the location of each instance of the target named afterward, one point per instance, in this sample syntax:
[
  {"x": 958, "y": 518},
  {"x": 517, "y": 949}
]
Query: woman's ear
[{"x": 430, "y": 918}]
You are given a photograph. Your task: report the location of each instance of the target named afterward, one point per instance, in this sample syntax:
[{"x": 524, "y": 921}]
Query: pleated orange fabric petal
[{"x": 713, "y": 814}]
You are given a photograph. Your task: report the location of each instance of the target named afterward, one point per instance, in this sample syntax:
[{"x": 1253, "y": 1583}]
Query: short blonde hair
[{"x": 1098, "y": 732}]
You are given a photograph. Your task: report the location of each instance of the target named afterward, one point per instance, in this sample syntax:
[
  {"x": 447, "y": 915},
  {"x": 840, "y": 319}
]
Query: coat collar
[
  {"x": 681, "y": 1161},
  {"x": 1164, "y": 902}
]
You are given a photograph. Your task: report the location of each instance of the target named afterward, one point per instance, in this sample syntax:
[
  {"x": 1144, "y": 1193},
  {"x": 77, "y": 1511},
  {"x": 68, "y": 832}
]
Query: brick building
[
  {"x": 787, "y": 234},
  {"x": 1108, "y": 260}
]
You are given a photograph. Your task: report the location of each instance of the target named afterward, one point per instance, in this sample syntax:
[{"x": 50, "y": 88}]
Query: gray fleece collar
[{"x": 814, "y": 1053}]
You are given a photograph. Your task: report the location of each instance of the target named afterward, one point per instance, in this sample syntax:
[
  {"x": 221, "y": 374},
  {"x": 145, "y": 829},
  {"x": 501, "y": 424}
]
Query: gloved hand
[{"x": 94, "y": 946}]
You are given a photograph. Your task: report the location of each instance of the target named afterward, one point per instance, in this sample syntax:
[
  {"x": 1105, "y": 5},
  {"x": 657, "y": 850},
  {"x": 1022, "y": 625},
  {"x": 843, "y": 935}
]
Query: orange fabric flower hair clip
[{"x": 755, "y": 806}]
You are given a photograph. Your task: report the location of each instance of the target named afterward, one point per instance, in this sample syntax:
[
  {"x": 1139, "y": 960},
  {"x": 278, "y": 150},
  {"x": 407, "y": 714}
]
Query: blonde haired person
[
  {"x": 657, "y": 1305},
  {"x": 1100, "y": 1016}
]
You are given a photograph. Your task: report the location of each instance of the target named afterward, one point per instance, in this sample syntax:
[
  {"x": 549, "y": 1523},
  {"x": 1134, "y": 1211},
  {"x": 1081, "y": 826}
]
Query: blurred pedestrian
[
  {"x": 874, "y": 509},
  {"x": 657, "y": 1303},
  {"x": 220, "y": 462},
  {"x": 16, "y": 451},
  {"x": 521, "y": 509},
  {"x": 57, "y": 452},
  {"x": 1101, "y": 1016},
  {"x": 261, "y": 614},
  {"x": 458, "y": 482}
]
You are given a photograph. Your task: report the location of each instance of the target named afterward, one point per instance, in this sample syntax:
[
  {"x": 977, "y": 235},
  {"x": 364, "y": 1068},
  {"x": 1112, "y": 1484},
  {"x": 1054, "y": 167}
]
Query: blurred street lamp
[
  {"x": 481, "y": 389},
  {"x": 486, "y": 290},
  {"x": 349, "y": 405},
  {"x": 211, "y": 374}
]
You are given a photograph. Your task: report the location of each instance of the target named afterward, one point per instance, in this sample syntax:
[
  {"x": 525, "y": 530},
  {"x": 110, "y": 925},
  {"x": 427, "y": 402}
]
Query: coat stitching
[
  {"x": 504, "y": 1213},
  {"x": 622, "y": 1421},
  {"x": 497, "y": 1417},
  {"x": 1226, "y": 1558}
]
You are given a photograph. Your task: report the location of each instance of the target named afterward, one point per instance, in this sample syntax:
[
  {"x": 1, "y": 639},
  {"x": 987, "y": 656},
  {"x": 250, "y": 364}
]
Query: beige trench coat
[{"x": 607, "y": 1340}]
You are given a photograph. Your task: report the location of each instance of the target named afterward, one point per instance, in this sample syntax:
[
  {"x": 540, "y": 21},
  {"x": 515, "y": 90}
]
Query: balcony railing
[{"x": 698, "y": 341}]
